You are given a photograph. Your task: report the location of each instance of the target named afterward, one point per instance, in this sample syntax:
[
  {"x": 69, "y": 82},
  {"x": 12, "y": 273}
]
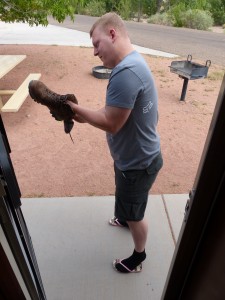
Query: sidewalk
[
  {"x": 19, "y": 33},
  {"x": 75, "y": 247}
]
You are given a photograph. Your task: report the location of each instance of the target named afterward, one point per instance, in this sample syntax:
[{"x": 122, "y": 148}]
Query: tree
[
  {"x": 35, "y": 12},
  {"x": 159, "y": 4},
  {"x": 218, "y": 11}
]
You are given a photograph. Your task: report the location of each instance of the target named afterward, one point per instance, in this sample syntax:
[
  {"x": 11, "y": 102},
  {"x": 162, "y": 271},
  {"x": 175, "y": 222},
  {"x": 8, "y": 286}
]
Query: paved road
[{"x": 202, "y": 45}]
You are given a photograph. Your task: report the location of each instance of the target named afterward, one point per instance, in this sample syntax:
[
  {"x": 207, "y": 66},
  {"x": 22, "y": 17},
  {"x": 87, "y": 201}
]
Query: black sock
[{"x": 131, "y": 262}]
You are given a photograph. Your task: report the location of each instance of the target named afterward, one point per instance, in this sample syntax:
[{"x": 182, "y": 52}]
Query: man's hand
[{"x": 79, "y": 119}]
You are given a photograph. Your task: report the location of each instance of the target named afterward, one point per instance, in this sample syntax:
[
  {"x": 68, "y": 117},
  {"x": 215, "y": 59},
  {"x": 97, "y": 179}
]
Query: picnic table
[{"x": 18, "y": 96}]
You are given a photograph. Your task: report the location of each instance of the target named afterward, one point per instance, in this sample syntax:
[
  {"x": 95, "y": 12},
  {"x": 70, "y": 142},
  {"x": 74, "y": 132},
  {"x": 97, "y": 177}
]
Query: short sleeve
[{"x": 123, "y": 89}]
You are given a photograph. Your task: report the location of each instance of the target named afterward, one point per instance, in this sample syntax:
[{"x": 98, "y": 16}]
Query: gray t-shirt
[{"x": 131, "y": 85}]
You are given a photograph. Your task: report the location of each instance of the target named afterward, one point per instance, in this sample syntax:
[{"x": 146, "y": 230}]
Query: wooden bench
[{"x": 18, "y": 96}]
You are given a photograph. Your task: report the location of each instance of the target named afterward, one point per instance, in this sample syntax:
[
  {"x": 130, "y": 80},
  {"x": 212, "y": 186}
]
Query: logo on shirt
[{"x": 148, "y": 107}]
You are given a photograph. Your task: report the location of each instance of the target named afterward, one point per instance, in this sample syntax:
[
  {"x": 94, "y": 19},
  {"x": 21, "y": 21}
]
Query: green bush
[
  {"x": 198, "y": 4},
  {"x": 175, "y": 14},
  {"x": 197, "y": 19},
  {"x": 124, "y": 9},
  {"x": 149, "y": 7},
  {"x": 161, "y": 19},
  {"x": 95, "y": 8},
  {"x": 218, "y": 11}
]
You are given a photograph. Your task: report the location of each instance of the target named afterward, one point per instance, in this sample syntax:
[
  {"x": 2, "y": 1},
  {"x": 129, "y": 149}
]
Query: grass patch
[{"x": 216, "y": 75}]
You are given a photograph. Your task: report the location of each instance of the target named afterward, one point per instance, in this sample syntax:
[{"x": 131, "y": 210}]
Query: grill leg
[{"x": 184, "y": 89}]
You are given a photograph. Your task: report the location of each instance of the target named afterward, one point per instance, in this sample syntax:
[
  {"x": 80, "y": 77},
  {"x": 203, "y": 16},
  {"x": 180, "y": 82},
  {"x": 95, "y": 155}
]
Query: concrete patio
[{"x": 75, "y": 246}]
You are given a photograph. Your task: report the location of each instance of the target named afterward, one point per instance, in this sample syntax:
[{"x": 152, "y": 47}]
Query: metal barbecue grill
[{"x": 189, "y": 70}]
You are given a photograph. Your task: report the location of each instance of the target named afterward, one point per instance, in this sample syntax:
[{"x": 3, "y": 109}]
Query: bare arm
[{"x": 108, "y": 118}]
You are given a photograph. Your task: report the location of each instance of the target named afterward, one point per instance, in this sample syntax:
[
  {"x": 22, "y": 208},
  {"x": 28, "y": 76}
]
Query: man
[{"x": 129, "y": 118}]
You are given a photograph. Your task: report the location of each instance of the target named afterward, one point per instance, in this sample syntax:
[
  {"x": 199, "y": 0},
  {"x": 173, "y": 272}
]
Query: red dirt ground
[{"x": 48, "y": 164}]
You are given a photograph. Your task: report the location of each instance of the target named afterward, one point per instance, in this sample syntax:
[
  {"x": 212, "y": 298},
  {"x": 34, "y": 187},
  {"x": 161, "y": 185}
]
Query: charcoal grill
[{"x": 188, "y": 70}]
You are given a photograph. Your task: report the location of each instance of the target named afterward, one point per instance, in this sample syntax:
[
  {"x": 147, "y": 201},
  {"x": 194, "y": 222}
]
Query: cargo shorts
[{"x": 132, "y": 189}]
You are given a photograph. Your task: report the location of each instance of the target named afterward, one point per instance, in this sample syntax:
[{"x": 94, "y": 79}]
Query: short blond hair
[{"x": 109, "y": 19}]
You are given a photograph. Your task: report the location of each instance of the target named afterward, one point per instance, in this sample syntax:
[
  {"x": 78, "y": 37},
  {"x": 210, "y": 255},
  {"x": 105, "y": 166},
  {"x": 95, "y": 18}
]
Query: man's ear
[{"x": 112, "y": 33}]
